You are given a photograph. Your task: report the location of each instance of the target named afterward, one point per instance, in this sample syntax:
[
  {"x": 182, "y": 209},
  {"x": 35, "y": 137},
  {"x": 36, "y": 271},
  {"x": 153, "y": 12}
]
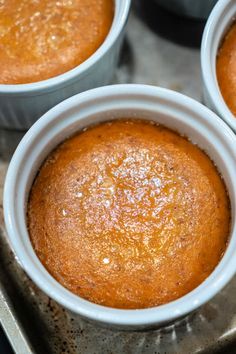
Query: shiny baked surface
[
  {"x": 129, "y": 214},
  {"x": 226, "y": 69},
  {"x": 40, "y": 39}
]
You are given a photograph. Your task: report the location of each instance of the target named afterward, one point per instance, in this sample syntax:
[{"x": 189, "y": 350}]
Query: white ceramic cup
[
  {"x": 167, "y": 107},
  {"x": 219, "y": 22},
  {"x": 21, "y": 105}
]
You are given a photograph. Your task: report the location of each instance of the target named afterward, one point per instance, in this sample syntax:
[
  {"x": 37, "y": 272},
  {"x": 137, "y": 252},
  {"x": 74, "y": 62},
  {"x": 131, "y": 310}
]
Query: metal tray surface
[{"x": 36, "y": 324}]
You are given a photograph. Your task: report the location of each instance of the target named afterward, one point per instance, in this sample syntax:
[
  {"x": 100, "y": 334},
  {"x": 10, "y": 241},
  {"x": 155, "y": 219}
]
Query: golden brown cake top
[
  {"x": 129, "y": 214},
  {"x": 42, "y": 39},
  {"x": 226, "y": 69}
]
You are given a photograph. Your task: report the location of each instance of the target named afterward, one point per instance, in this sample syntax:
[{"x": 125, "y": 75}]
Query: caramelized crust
[
  {"x": 226, "y": 69},
  {"x": 129, "y": 215},
  {"x": 42, "y": 39}
]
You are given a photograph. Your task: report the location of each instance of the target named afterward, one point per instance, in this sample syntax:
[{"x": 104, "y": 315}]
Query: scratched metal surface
[{"x": 35, "y": 323}]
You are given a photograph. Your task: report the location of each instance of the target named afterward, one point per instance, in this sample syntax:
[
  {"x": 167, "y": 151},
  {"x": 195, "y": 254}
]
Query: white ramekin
[
  {"x": 21, "y": 105},
  {"x": 173, "y": 110},
  {"x": 220, "y": 20}
]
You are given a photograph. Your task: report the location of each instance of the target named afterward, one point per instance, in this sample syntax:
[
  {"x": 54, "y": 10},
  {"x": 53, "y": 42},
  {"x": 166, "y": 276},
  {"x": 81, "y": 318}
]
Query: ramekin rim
[
  {"x": 149, "y": 316},
  {"x": 53, "y": 82},
  {"x": 212, "y": 87}
]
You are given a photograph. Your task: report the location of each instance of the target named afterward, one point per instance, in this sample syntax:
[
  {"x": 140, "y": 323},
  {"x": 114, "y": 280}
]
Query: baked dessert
[
  {"x": 43, "y": 39},
  {"x": 129, "y": 214},
  {"x": 226, "y": 69}
]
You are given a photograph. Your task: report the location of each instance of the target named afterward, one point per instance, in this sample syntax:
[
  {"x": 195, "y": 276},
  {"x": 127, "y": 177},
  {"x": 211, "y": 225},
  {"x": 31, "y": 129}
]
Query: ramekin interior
[
  {"x": 220, "y": 20},
  {"x": 173, "y": 110},
  {"x": 122, "y": 8}
]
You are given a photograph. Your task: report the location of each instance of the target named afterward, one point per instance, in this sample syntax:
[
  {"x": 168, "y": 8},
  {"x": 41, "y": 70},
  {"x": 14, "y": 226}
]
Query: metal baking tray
[{"x": 36, "y": 324}]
